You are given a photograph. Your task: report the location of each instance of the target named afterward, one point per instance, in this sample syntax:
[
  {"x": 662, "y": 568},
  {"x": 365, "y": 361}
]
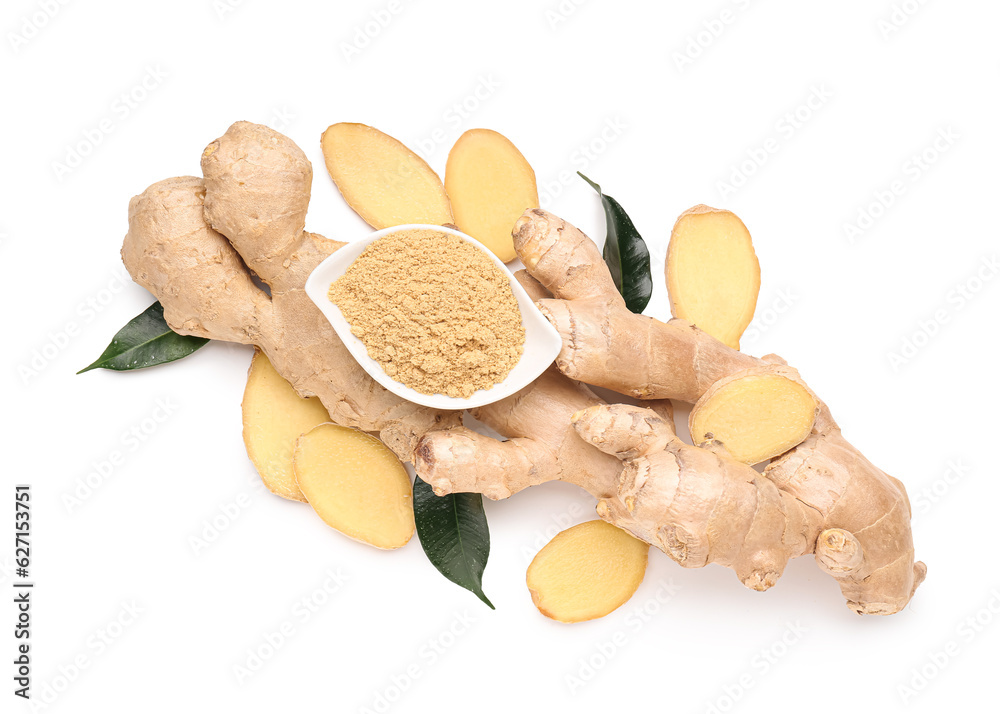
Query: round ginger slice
[
  {"x": 490, "y": 185},
  {"x": 274, "y": 416},
  {"x": 356, "y": 485},
  {"x": 713, "y": 276},
  {"x": 586, "y": 572},
  {"x": 756, "y": 415},
  {"x": 382, "y": 180}
]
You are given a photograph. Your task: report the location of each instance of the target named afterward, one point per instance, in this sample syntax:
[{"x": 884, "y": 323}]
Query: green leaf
[
  {"x": 625, "y": 253},
  {"x": 454, "y": 534},
  {"x": 145, "y": 341}
]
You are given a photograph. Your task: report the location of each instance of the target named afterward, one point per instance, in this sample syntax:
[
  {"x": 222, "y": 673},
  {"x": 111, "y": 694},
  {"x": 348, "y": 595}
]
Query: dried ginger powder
[{"x": 434, "y": 311}]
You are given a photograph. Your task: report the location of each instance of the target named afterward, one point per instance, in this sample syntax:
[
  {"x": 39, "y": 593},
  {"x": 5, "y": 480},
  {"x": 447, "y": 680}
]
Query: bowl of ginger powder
[{"x": 433, "y": 316}]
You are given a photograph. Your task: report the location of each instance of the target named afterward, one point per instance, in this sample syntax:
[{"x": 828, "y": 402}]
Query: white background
[{"x": 661, "y": 103}]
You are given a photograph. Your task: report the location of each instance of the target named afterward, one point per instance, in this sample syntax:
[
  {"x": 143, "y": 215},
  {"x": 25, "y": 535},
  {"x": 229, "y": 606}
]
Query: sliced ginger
[
  {"x": 356, "y": 485},
  {"x": 381, "y": 179},
  {"x": 586, "y": 572},
  {"x": 756, "y": 415},
  {"x": 274, "y": 416},
  {"x": 490, "y": 185},
  {"x": 713, "y": 276}
]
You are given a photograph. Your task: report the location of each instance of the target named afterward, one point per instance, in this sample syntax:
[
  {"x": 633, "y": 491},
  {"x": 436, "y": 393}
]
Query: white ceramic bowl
[{"x": 541, "y": 341}]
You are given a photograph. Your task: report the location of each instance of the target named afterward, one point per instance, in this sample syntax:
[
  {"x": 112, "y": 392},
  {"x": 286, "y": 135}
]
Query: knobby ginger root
[
  {"x": 194, "y": 243},
  {"x": 274, "y": 416},
  {"x": 698, "y": 505},
  {"x": 586, "y": 572},
  {"x": 712, "y": 272},
  {"x": 382, "y": 180},
  {"x": 756, "y": 415},
  {"x": 356, "y": 485},
  {"x": 490, "y": 185}
]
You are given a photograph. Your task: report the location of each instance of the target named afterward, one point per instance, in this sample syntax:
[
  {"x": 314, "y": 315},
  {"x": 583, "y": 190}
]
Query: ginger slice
[
  {"x": 381, "y": 179},
  {"x": 274, "y": 416},
  {"x": 756, "y": 415},
  {"x": 713, "y": 276},
  {"x": 356, "y": 485},
  {"x": 586, "y": 572},
  {"x": 490, "y": 185}
]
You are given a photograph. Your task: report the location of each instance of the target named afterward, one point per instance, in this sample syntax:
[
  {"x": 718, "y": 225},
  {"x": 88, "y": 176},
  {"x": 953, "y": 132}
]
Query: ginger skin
[
  {"x": 190, "y": 243},
  {"x": 821, "y": 496}
]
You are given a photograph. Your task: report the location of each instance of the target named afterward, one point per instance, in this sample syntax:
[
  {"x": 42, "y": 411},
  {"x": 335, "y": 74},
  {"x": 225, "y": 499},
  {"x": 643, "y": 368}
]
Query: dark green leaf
[
  {"x": 145, "y": 341},
  {"x": 454, "y": 534},
  {"x": 625, "y": 253}
]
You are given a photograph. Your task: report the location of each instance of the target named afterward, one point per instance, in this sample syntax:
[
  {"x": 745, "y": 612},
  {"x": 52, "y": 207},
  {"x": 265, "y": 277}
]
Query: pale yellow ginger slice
[
  {"x": 382, "y": 180},
  {"x": 356, "y": 485},
  {"x": 490, "y": 185},
  {"x": 586, "y": 572},
  {"x": 756, "y": 415},
  {"x": 713, "y": 276},
  {"x": 274, "y": 416}
]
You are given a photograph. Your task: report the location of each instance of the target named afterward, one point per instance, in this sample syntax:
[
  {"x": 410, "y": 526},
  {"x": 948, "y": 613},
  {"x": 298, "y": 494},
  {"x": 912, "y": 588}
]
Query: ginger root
[
  {"x": 490, "y": 185},
  {"x": 194, "y": 243},
  {"x": 274, "y": 416},
  {"x": 757, "y": 414},
  {"x": 712, "y": 272},
  {"x": 586, "y": 572},
  {"x": 382, "y": 180},
  {"x": 698, "y": 505},
  {"x": 356, "y": 485}
]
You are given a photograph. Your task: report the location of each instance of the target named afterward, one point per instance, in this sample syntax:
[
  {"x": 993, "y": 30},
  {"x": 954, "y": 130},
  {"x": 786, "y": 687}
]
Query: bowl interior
[{"x": 541, "y": 341}]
